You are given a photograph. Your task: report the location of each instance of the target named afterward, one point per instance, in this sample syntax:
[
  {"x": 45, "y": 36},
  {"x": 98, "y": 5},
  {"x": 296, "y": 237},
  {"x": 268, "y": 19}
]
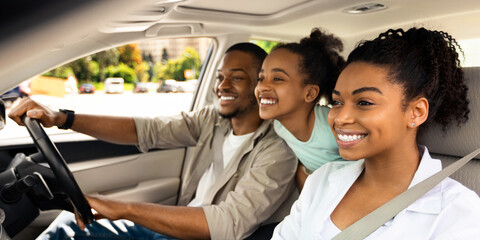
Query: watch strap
[{"x": 70, "y": 117}]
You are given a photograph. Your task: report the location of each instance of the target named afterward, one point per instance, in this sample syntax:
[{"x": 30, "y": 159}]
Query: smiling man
[{"x": 237, "y": 175}]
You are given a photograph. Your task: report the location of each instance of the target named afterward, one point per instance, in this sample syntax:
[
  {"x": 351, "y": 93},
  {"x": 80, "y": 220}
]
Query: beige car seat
[{"x": 457, "y": 142}]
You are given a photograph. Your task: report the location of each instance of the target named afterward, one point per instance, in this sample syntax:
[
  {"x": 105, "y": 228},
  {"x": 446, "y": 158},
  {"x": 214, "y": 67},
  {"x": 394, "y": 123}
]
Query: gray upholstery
[{"x": 457, "y": 142}]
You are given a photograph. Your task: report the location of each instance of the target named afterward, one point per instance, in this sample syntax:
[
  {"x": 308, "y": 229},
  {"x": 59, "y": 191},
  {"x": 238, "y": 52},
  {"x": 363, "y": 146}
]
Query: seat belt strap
[{"x": 371, "y": 222}]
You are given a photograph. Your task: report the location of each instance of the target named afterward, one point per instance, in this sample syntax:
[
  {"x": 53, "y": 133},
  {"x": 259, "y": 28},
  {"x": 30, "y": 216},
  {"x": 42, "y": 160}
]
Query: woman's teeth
[
  {"x": 267, "y": 101},
  {"x": 349, "y": 138}
]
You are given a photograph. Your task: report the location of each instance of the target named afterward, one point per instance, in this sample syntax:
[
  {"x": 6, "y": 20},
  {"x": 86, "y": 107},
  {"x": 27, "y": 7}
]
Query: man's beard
[
  {"x": 229, "y": 115},
  {"x": 240, "y": 111}
]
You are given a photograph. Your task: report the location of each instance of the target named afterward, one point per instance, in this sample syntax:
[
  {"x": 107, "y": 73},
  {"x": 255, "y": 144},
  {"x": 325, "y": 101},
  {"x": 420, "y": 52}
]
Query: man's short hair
[{"x": 257, "y": 52}]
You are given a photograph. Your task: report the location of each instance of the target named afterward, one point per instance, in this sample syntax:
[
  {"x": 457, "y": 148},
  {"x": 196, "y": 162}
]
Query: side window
[{"x": 148, "y": 78}]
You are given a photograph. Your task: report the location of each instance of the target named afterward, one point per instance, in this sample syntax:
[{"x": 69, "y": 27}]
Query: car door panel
[
  {"x": 117, "y": 171},
  {"x": 148, "y": 177}
]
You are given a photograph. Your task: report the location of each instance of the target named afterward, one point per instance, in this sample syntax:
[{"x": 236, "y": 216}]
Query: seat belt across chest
[{"x": 371, "y": 222}]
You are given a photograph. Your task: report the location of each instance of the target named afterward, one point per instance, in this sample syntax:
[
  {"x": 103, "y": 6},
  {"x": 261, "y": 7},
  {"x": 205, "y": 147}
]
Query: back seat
[{"x": 457, "y": 142}]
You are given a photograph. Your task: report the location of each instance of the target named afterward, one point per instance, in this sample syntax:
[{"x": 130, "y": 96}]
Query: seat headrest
[{"x": 458, "y": 141}]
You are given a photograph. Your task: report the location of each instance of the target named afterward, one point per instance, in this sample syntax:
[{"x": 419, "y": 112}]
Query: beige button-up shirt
[{"x": 257, "y": 187}]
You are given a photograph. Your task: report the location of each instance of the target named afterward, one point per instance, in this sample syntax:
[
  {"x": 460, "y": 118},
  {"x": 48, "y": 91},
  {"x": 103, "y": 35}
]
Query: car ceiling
[
  {"x": 41, "y": 37},
  {"x": 291, "y": 19}
]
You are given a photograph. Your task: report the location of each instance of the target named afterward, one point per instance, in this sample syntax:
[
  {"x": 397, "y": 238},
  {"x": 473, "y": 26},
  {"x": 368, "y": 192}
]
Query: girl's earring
[{"x": 412, "y": 124}]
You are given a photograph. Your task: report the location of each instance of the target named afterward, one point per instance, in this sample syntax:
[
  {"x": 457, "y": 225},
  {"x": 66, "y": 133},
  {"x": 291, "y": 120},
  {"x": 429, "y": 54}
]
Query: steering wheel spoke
[{"x": 59, "y": 167}]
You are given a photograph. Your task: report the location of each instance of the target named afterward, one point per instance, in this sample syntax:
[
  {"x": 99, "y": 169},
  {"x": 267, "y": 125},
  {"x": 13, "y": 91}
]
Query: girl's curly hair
[{"x": 320, "y": 60}]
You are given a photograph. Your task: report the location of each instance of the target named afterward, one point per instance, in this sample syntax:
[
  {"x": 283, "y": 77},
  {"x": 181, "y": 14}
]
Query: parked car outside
[
  {"x": 114, "y": 85},
  {"x": 140, "y": 87},
  {"x": 167, "y": 86},
  {"x": 152, "y": 86},
  {"x": 87, "y": 88},
  {"x": 187, "y": 86}
]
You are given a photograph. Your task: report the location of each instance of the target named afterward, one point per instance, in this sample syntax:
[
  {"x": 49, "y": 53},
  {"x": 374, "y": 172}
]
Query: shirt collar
[
  {"x": 431, "y": 202},
  {"x": 226, "y": 126}
]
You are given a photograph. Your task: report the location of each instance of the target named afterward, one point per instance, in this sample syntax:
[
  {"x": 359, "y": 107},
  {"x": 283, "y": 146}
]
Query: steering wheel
[{"x": 59, "y": 167}]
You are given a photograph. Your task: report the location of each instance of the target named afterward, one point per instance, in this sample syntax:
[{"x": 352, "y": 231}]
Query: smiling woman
[
  {"x": 392, "y": 87},
  {"x": 365, "y": 112}
]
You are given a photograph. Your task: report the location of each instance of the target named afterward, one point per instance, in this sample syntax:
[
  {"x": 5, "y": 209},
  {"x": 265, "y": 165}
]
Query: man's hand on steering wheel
[
  {"x": 35, "y": 110},
  {"x": 21, "y": 114}
]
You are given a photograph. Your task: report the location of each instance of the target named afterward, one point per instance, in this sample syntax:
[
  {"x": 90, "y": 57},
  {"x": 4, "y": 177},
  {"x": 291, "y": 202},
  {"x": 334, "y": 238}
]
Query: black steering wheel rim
[{"x": 59, "y": 167}]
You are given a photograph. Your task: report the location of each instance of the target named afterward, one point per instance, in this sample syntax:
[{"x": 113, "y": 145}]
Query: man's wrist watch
[{"x": 70, "y": 117}]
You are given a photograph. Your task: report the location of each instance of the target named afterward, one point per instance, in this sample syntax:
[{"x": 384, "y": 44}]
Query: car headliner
[{"x": 37, "y": 37}]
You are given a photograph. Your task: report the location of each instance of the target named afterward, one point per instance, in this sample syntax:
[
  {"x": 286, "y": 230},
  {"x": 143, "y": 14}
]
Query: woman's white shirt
[{"x": 448, "y": 211}]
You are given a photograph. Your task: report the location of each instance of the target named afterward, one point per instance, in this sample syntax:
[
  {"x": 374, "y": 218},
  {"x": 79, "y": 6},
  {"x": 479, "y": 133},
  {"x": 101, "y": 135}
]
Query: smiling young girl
[
  {"x": 391, "y": 88},
  {"x": 293, "y": 78}
]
